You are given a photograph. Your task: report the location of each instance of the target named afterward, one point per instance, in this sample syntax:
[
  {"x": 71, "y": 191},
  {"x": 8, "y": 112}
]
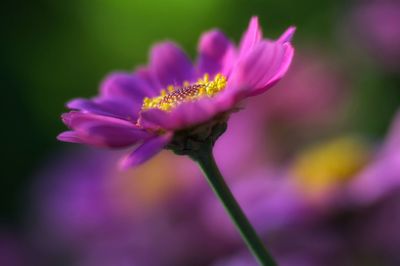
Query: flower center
[{"x": 174, "y": 96}]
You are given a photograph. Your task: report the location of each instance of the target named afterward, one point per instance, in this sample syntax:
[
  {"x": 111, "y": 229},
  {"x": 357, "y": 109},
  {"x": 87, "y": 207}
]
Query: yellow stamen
[{"x": 174, "y": 96}]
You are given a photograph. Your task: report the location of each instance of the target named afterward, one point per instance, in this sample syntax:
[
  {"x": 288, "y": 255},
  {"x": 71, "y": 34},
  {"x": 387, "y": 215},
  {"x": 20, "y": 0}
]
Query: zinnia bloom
[{"x": 146, "y": 109}]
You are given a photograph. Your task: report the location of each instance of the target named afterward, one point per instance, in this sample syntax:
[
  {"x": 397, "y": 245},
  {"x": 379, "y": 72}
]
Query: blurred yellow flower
[{"x": 325, "y": 166}]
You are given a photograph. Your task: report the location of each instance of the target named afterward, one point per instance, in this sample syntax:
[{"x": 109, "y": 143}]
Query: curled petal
[
  {"x": 251, "y": 37},
  {"x": 170, "y": 65},
  {"x": 101, "y": 131},
  {"x": 216, "y": 53},
  {"x": 262, "y": 68},
  {"x": 145, "y": 151}
]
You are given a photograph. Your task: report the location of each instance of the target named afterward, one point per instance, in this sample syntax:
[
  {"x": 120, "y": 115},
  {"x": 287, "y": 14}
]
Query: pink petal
[
  {"x": 187, "y": 114},
  {"x": 287, "y": 35},
  {"x": 129, "y": 87},
  {"x": 261, "y": 68},
  {"x": 125, "y": 85},
  {"x": 114, "y": 107},
  {"x": 191, "y": 113},
  {"x": 170, "y": 65},
  {"x": 101, "y": 131},
  {"x": 145, "y": 151},
  {"x": 251, "y": 37},
  {"x": 157, "y": 119},
  {"x": 69, "y": 136},
  {"x": 216, "y": 53},
  {"x": 145, "y": 74}
]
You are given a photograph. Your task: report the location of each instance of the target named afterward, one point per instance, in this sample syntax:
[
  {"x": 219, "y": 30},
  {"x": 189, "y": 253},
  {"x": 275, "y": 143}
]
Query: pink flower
[{"x": 148, "y": 109}]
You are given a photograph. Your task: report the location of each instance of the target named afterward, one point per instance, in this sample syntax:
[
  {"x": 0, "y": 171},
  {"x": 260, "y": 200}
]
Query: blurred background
[{"x": 315, "y": 163}]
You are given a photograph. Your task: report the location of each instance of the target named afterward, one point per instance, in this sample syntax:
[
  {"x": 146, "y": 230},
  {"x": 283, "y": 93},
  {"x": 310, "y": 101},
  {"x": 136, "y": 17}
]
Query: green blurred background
[{"x": 52, "y": 51}]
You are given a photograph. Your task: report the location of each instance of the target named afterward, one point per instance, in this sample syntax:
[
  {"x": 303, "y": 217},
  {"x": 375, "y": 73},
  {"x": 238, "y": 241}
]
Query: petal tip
[
  {"x": 254, "y": 20},
  {"x": 162, "y": 46},
  {"x": 68, "y": 136},
  {"x": 66, "y": 118},
  {"x": 125, "y": 163},
  {"x": 287, "y": 36},
  {"x": 251, "y": 36}
]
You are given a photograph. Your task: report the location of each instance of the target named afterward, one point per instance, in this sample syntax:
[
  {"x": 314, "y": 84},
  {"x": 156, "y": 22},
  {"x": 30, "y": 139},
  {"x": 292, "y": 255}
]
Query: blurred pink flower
[
  {"x": 351, "y": 215},
  {"x": 89, "y": 213},
  {"x": 313, "y": 95}
]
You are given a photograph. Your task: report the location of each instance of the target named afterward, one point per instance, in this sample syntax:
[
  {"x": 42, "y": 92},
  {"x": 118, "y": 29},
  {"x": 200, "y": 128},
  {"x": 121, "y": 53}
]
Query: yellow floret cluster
[{"x": 173, "y": 96}]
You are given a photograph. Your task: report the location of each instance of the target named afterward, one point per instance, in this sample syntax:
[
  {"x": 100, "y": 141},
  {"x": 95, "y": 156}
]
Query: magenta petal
[
  {"x": 287, "y": 35},
  {"x": 251, "y": 37},
  {"x": 69, "y": 136},
  {"x": 190, "y": 114},
  {"x": 115, "y": 107},
  {"x": 282, "y": 69},
  {"x": 156, "y": 119},
  {"x": 146, "y": 75},
  {"x": 101, "y": 131},
  {"x": 75, "y": 137},
  {"x": 262, "y": 68},
  {"x": 170, "y": 64},
  {"x": 187, "y": 114},
  {"x": 145, "y": 151},
  {"x": 216, "y": 53},
  {"x": 194, "y": 113},
  {"x": 128, "y": 86}
]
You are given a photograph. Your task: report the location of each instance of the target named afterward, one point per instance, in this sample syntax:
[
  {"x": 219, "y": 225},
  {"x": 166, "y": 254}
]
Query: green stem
[{"x": 206, "y": 161}]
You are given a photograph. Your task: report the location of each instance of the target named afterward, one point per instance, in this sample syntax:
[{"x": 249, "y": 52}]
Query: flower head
[{"x": 172, "y": 100}]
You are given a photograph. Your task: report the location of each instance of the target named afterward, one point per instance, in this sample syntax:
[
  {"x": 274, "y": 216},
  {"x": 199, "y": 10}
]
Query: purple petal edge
[
  {"x": 145, "y": 151},
  {"x": 170, "y": 65}
]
